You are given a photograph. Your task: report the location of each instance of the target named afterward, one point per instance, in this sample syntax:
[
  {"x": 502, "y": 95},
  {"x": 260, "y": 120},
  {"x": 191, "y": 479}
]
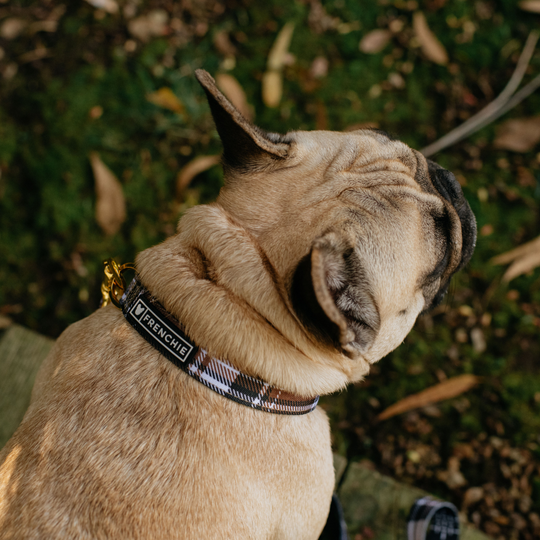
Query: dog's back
[{"x": 124, "y": 445}]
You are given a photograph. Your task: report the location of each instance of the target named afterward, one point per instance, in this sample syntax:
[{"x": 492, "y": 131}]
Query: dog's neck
[
  {"x": 212, "y": 278},
  {"x": 154, "y": 324}
]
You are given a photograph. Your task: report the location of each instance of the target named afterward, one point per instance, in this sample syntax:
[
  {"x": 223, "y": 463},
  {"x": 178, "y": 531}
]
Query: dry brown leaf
[
  {"x": 166, "y": 98},
  {"x": 375, "y": 41},
  {"x": 147, "y": 26},
  {"x": 473, "y": 495},
  {"x": 319, "y": 67},
  {"x": 272, "y": 82},
  {"x": 518, "y": 134},
  {"x": 43, "y": 26},
  {"x": 223, "y": 43},
  {"x": 280, "y": 48},
  {"x": 232, "y": 89},
  {"x": 478, "y": 340},
  {"x": 36, "y": 54},
  {"x": 5, "y": 322},
  {"x": 110, "y": 202},
  {"x": 110, "y": 6},
  {"x": 523, "y": 265},
  {"x": 192, "y": 169},
  {"x": 530, "y": 5},
  {"x": 445, "y": 390},
  {"x": 272, "y": 88},
  {"x": 518, "y": 252},
  {"x": 431, "y": 46},
  {"x": 12, "y": 28},
  {"x": 523, "y": 258},
  {"x": 452, "y": 477}
]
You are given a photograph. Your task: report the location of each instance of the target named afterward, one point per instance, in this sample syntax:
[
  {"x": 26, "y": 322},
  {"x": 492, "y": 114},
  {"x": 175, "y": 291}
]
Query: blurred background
[{"x": 106, "y": 139}]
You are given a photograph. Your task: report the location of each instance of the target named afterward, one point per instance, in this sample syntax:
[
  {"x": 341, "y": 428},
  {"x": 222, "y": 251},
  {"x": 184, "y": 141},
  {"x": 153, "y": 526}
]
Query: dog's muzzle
[{"x": 447, "y": 185}]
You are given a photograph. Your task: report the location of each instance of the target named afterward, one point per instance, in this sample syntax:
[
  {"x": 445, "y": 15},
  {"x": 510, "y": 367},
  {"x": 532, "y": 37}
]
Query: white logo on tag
[{"x": 161, "y": 331}]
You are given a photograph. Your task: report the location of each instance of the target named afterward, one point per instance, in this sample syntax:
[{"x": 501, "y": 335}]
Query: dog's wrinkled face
[{"x": 361, "y": 233}]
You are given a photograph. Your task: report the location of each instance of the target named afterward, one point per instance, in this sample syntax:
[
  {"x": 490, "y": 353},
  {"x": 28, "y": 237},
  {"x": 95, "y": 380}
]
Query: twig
[
  {"x": 517, "y": 98},
  {"x": 500, "y": 105}
]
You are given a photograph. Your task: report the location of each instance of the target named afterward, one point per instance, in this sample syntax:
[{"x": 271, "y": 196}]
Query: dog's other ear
[
  {"x": 244, "y": 145},
  {"x": 333, "y": 298}
]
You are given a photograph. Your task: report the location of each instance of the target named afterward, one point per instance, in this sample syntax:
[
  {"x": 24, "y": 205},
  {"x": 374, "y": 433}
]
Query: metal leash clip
[{"x": 114, "y": 284}]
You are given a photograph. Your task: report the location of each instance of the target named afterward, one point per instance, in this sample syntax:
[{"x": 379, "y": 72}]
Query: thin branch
[
  {"x": 517, "y": 98},
  {"x": 493, "y": 110}
]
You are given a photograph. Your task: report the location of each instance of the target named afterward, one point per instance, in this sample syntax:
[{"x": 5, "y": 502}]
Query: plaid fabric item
[
  {"x": 430, "y": 519},
  {"x": 165, "y": 334}
]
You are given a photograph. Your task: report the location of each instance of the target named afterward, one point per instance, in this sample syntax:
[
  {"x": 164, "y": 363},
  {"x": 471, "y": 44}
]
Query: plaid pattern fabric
[
  {"x": 430, "y": 519},
  {"x": 163, "y": 332}
]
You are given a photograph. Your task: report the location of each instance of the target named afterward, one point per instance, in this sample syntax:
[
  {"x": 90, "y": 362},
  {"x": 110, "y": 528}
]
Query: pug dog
[{"x": 314, "y": 262}]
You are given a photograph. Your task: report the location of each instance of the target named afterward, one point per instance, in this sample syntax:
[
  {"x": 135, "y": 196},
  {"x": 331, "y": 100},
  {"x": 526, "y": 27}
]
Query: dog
[{"x": 314, "y": 262}]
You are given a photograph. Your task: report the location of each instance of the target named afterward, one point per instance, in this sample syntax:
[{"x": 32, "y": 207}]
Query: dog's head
[{"x": 361, "y": 232}]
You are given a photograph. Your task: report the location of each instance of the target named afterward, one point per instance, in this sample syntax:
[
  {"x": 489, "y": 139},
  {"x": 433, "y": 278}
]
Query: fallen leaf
[
  {"x": 445, "y": 390},
  {"x": 36, "y": 54},
  {"x": 272, "y": 88},
  {"x": 95, "y": 112},
  {"x": 318, "y": 19},
  {"x": 523, "y": 258},
  {"x": 232, "y": 89},
  {"x": 530, "y": 5},
  {"x": 12, "y": 28},
  {"x": 319, "y": 67},
  {"x": 272, "y": 82},
  {"x": 473, "y": 495},
  {"x": 147, "y": 26},
  {"x": 518, "y": 134},
  {"x": 110, "y": 6},
  {"x": 478, "y": 340},
  {"x": 452, "y": 477},
  {"x": 280, "y": 48},
  {"x": 522, "y": 266},
  {"x": 43, "y": 26},
  {"x": 431, "y": 46},
  {"x": 10, "y": 71},
  {"x": 110, "y": 202},
  {"x": 166, "y": 98},
  {"x": 192, "y": 169},
  {"x": 223, "y": 44},
  {"x": 57, "y": 13},
  {"x": 375, "y": 41},
  {"x": 5, "y": 322},
  {"x": 396, "y": 80},
  {"x": 518, "y": 252}
]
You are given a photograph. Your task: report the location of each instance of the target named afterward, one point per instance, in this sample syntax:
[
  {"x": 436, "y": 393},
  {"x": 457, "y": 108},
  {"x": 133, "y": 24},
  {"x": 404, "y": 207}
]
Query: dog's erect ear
[
  {"x": 332, "y": 297},
  {"x": 244, "y": 144}
]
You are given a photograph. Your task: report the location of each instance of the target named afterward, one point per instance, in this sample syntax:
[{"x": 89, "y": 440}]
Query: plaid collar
[{"x": 164, "y": 333}]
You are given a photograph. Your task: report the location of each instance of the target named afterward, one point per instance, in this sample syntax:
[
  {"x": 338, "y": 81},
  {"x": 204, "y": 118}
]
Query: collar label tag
[{"x": 152, "y": 322}]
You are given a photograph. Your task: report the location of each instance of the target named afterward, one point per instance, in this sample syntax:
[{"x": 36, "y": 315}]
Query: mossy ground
[{"x": 51, "y": 248}]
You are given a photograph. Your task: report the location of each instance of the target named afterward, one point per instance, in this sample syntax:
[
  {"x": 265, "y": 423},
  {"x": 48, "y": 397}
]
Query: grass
[{"x": 51, "y": 248}]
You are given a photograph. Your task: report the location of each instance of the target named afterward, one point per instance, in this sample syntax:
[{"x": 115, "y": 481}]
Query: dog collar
[{"x": 157, "y": 326}]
